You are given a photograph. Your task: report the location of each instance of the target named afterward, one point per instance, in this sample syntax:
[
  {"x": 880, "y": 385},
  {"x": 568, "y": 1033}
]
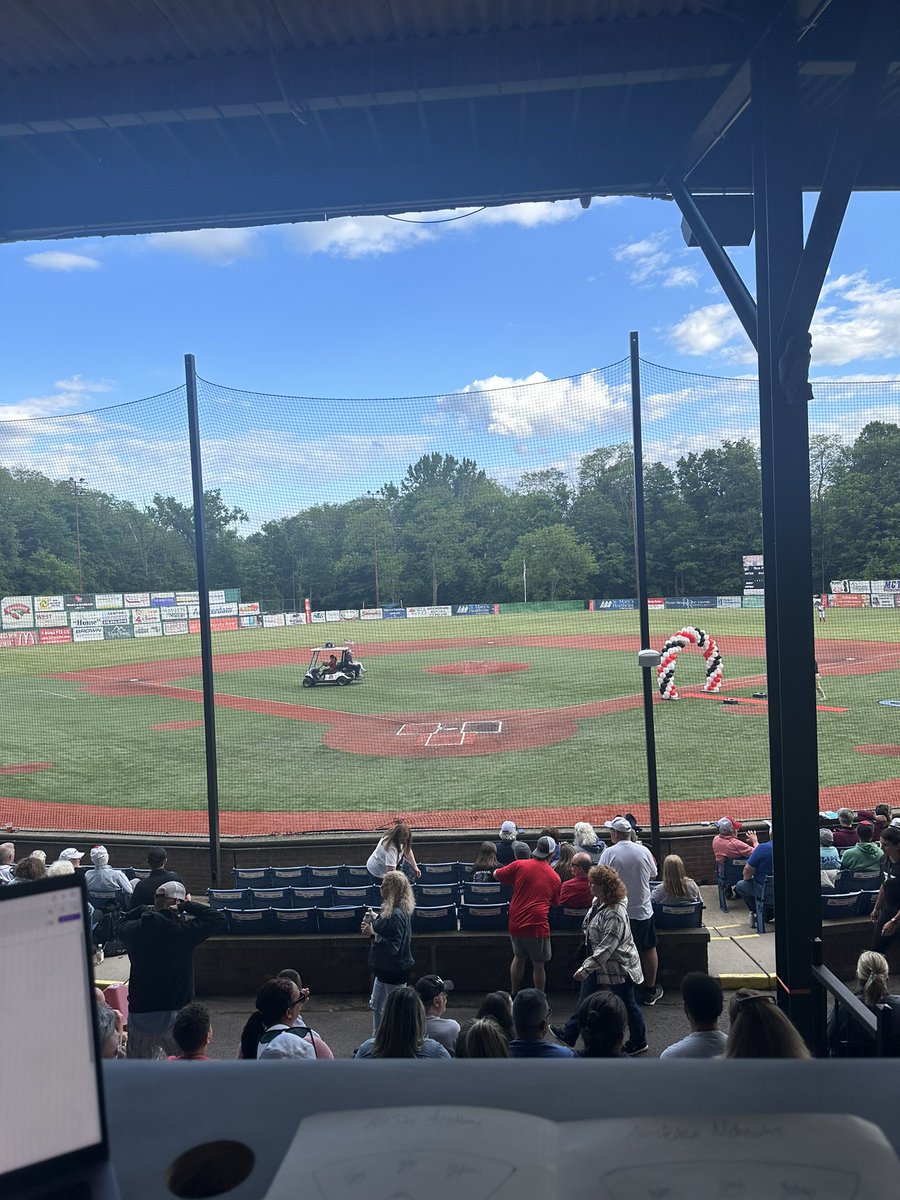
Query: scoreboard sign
[{"x": 754, "y": 576}]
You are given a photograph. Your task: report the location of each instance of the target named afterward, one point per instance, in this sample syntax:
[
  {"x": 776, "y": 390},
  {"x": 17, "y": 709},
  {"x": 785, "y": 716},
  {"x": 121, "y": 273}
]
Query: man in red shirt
[
  {"x": 576, "y": 892},
  {"x": 535, "y": 887}
]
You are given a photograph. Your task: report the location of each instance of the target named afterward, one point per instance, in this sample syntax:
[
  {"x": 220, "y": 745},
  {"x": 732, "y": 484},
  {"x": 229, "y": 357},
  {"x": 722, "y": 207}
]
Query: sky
[{"x": 480, "y": 311}]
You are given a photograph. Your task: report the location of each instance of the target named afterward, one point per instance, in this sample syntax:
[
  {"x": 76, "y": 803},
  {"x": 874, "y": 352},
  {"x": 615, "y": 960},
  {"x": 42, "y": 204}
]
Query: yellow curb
[{"x": 757, "y": 980}]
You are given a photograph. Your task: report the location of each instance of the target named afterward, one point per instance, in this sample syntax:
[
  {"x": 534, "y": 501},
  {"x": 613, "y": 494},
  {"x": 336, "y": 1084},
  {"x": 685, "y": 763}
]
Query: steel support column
[{"x": 784, "y": 446}]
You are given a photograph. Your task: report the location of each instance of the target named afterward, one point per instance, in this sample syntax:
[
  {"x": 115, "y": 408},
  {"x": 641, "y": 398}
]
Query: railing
[{"x": 872, "y": 1030}]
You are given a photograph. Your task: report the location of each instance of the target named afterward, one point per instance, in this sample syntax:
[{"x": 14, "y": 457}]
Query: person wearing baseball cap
[
  {"x": 160, "y": 940},
  {"x": 145, "y": 889},
  {"x": 726, "y": 843},
  {"x": 433, "y": 991},
  {"x": 636, "y": 866},
  {"x": 504, "y": 847},
  {"x": 101, "y": 877},
  {"x": 70, "y": 854},
  {"x": 535, "y": 887}
]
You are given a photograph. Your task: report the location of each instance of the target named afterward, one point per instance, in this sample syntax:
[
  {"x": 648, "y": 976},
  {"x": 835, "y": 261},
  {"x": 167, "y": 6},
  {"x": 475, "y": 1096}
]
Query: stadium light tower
[
  {"x": 75, "y": 484},
  {"x": 375, "y": 547}
]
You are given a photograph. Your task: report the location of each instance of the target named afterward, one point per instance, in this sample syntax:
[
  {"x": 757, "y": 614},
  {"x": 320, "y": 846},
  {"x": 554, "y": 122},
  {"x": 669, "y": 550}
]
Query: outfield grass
[{"x": 103, "y": 751}]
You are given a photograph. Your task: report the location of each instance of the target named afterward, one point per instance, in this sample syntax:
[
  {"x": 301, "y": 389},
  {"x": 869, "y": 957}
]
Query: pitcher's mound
[{"x": 478, "y": 667}]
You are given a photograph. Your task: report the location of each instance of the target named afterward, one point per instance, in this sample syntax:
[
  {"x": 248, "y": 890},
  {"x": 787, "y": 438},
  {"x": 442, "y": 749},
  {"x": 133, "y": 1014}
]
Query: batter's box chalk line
[{"x": 435, "y": 733}]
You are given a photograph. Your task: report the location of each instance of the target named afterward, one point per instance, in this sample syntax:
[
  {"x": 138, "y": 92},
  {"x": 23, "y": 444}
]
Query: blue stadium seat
[
  {"x": 271, "y": 898},
  {"x": 563, "y": 916},
  {"x": 138, "y": 872},
  {"x": 678, "y": 914},
  {"x": 483, "y": 917},
  {"x": 764, "y": 890},
  {"x": 866, "y": 903},
  {"x": 434, "y": 918},
  {"x": 249, "y": 921},
  {"x": 289, "y": 876},
  {"x": 436, "y": 893},
  {"x": 439, "y": 873},
  {"x": 837, "y": 905},
  {"x": 320, "y": 876},
  {"x": 344, "y": 896},
  {"x": 484, "y": 893},
  {"x": 228, "y": 897},
  {"x": 244, "y": 877},
  {"x": 356, "y": 876},
  {"x": 294, "y": 920},
  {"x": 465, "y": 872},
  {"x": 728, "y": 873},
  {"x": 340, "y": 920},
  {"x": 858, "y": 881},
  {"x": 315, "y": 897}
]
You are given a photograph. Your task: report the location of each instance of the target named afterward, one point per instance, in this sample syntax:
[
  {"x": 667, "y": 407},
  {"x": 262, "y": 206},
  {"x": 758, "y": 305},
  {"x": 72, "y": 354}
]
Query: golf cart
[{"x": 332, "y": 664}]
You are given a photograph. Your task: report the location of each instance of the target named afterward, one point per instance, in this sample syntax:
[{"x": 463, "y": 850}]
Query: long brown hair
[
  {"x": 609, "y": 884},
  {"x": 759, "y": 1029},
  {"x": 487, "y": 858},
  {"x": 400, "y": 837},
  {"x": 563, "y": 866},
  {"x": 403, "y": 1025},
  {"x": 675, "y": 878},
  {"x": 396, "y": 893}
]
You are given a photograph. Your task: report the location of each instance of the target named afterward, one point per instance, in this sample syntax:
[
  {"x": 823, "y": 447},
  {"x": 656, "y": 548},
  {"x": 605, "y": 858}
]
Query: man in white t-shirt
[
  {"x": 433, "y": 994},
  {"x": 636, "y": 866},
  {"x": 703, "y": 1003}
]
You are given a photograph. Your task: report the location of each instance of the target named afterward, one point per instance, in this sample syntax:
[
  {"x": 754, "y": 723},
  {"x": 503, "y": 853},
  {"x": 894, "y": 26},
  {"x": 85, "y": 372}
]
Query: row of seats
[
  {"x": 841, "y": 905},
  {"x": 438, "y": 918},
  {"x": 340, "y": 876},
  {"x": 336, "y": 897}
]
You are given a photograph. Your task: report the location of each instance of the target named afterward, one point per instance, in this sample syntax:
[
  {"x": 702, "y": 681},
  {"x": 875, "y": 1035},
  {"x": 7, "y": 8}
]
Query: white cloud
[
  {"x": 681, "y": 277},
  {"x": 713, "y": 329},
  {"x": 70, "y": 393},
  {"x": 219, "y": 247},
  {"x": 648, "y": 262},
  {"x": 61, "y": 260},
  {"x": 369, "y": 237},
  {"x": 537, "y": 406}
]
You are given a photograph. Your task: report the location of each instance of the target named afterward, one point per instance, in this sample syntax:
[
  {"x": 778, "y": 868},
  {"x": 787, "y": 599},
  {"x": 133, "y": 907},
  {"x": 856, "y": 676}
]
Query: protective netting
[{"x": 475, "y": 553}]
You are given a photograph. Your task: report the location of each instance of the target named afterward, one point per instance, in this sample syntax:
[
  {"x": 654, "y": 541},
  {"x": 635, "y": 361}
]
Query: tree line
[{"x": 449, "y": 533}]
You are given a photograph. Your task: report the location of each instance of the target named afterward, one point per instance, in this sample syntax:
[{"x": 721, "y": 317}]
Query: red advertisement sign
[
  {"x": 51, "y": 636},
  {"x": 216, "y": 625},
  {"x": 849, "y": 600},
  {"x": 18, "y": 640},
  {"x": 656, "y": 602}
]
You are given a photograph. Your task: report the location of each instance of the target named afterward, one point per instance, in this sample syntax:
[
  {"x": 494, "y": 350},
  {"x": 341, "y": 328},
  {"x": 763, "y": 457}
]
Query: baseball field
[{"x": 457, "y": 722}]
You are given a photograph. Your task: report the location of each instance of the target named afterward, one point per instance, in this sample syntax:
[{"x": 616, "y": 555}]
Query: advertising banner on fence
[
  {"x": 245, "y": 610},
  {"x": 295, "y": 618},
  {"x": 222, "y": 610},
  {"x": 884, "y": 585},
  {"x": 219, "y": 597},
  {"x": 145, "y": 616},
  {"x": 691, "y": 602},
  {"x": 108, "y": 600},
  {"x": 48, "y": 604},
  {"x": 137, "y": 599},
  {"x": 753, "y": 602},
  {"x": 250, "y": 621},
  {"x": 848, "y": 586},
  {"x": 115, "y": 616},
  {"x": 88, "y": 634},
  {"x": 472, "y": 610},
  {"x": 51, "y": 620},
  {"x": 18, "y": 641},
  {"x": 393, "y": 613},
  {"x": 172, "y": 627},
  {"x": 884, "y": 599},
  {"x": 623, "y": 604},
  {"x": 273, "y": 620},
  {"x": 216, "y": 625},
  {"x": 81, "y": 601},
  {"x": 430, "y": 610},
  {"x": 318, "y": 618},
  {"x": 117, "y": 633},
  {"x": 728, "y": 602},
  {"x": 178, "y": 612},
  {"x": 16, "y": 612},
  {"x": 187, "y": 597},
  {"x": 370, "y": 614},
  {"x": 145, "y": 631},
  {"x": 162, "y": 599},
  {"x": 656, "y": 602},
  {"x": 85, "y": 620},
  {"x": 50, "y": 637},
  {"x": 850, "y": 600}
]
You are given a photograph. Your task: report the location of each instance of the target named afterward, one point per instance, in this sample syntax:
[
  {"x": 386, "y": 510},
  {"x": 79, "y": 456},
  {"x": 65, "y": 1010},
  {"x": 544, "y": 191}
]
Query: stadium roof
[{"x": 139, "y": 115}]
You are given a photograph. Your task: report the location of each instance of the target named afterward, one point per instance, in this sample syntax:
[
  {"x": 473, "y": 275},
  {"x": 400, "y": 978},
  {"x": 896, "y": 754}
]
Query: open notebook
[
  {"x": 445, "y": 1152},
  {"x": 53, "y": 1138}
]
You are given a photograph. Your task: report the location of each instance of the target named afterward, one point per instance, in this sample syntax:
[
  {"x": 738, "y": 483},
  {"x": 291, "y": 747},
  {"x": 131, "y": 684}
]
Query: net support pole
[
  {"x": 206, "y": 660},
  {"x": 640, "y": 568}
]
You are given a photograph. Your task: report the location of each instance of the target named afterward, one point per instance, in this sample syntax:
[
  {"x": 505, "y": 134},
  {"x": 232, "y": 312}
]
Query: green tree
[{"x": 559, "y": 566}]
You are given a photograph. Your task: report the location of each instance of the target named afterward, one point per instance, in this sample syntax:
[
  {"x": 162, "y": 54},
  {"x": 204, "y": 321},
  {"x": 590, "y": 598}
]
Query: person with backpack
[{"x": 279, "y": 1003}]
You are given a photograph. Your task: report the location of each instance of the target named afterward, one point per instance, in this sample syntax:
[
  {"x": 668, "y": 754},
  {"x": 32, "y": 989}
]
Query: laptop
[{"x": 54, "y": 1141}]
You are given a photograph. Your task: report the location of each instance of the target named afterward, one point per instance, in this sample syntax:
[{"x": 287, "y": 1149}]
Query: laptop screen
[{"x": 49, "y": 1081}]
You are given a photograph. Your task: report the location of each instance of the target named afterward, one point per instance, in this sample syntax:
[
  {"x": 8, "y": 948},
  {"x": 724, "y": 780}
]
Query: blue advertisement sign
[
  {"x": 628, "y": 604},
  {"x": 394, "y": 612},
  {"x": 472, "y": 610},
  {"x": 691, "y": 602}
]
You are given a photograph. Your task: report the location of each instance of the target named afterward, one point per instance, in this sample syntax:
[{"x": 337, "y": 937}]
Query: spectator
[
  {"x": 62, "y": 866},
  {"x": 286, "y": 1036},
  {"x": 504, "y": 848},
  {"x": 41, "y": 856},
  {"x": 612, "y": 961},
  {"x": 101, "y": 877},
  {"x": 392, "y": 853},
  {"x": 485, "y": 864},
  {"x": 552, "y": 835},
  {"x": 108, "y": 1033},
  {"x": 535, "y": 888},
  {"x": 390, "y": 952},
  {"x": 160, "y": 942},
  {"x": 70, "y": 854},
  {"x": 432, "y": 992},
  {"x": 677, "y": 886},
  {"x": 602, "y": 1026},
  {"x": 563, "y": 865},
  {"x": 499, "y": 1006},
  {"x": 27, "y": 870},
  {"x": 759, "y": 1029},
  {"x": 759, "y": 863},
  {"x": 192, "y": 1032},
  {"x": 403, "y": 1030},
  {"x": 521, "y": 851},
  {"x": 866, "y": 854},
  {"x": 485, "y": 1039},
  {"x": 576, "y": 892},
  {"x": 255, "y": 1026},
  {"x": 636, "y": 866},
  {"x": 881, "y": 823},
  {"x": 829, "y": 859},
  {"x": 872, "y": 971},
  {"x": 703, "y": 1002},
  {"x": 530, "y": 1016},
  {"x": 727, "y": 844},
  {"x": 881, "y": 810},
  {"x": 886, "y": 913},
  {"x": 7, "y": 861},
  {"x": 844, "y": 833},
  {"x": 586, "y": 840},
  {"x": 144, "y": 891}
]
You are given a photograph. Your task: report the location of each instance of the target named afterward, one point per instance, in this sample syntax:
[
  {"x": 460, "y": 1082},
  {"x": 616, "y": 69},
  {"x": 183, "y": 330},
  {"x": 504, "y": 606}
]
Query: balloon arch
[{"x": 689, "y": 636}]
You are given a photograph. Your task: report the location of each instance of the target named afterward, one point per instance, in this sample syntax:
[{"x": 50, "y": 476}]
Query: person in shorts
[{"x": 535, "y": 887}]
